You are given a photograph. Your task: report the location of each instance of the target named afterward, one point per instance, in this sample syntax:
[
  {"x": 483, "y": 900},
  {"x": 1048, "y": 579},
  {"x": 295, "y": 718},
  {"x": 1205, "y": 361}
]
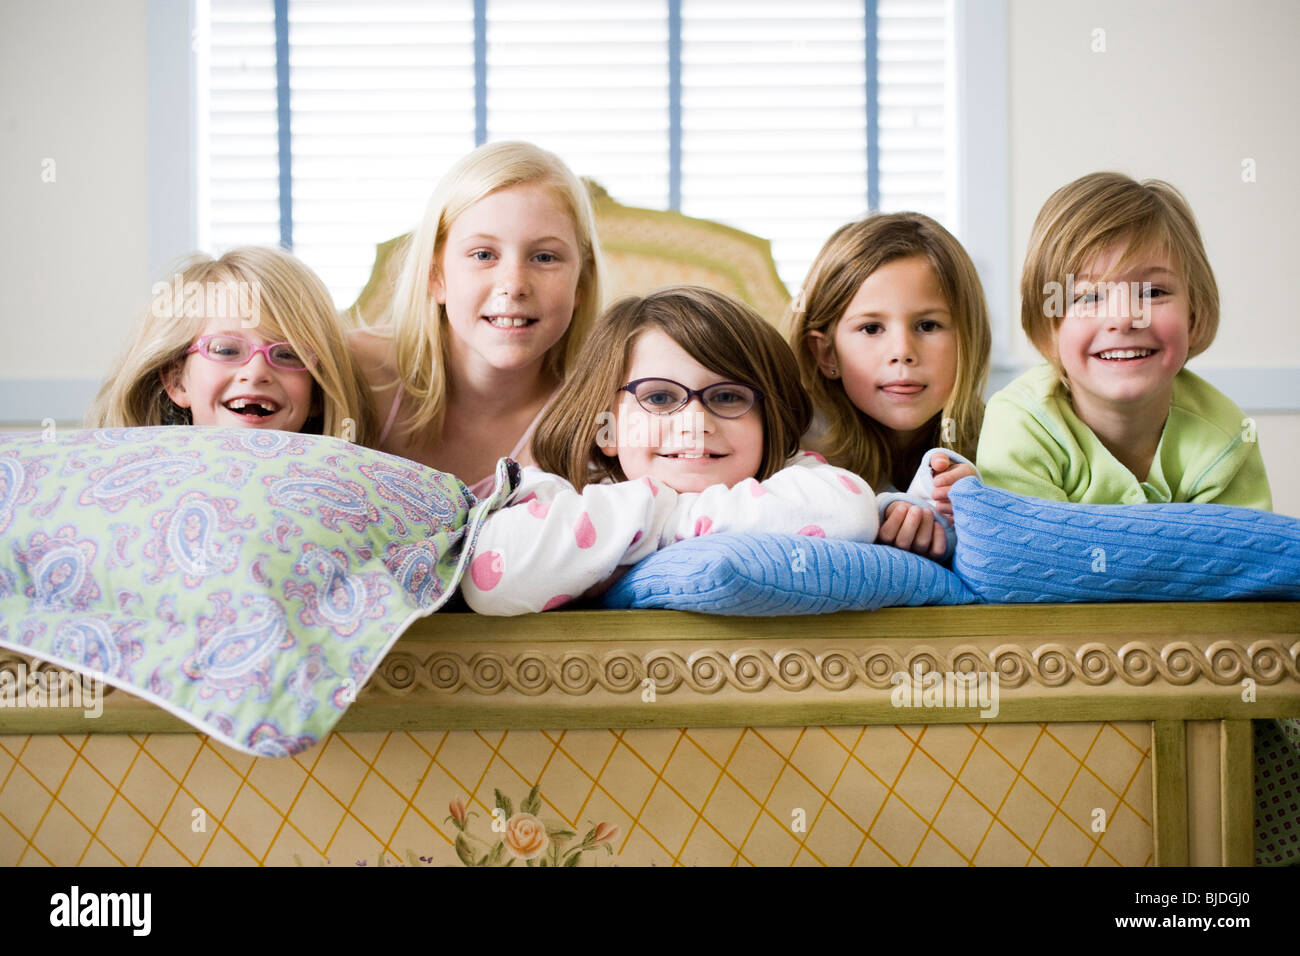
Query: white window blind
[
  {"x": 239, "y": 162},
  {"x": 774, "y": 121},
  {"x": 917, "y": 162},
  {"x": 588, "y": 80},
  {"x": 774, "y": 117},
  {"x": 382, "y": 98},
  {"x": 773, "y": 113}
]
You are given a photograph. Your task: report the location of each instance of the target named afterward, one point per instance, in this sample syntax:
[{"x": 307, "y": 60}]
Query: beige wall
[
  {"x": 1185, "y": 91},
  {"x": 1279, "y": 441},
  {"x": 73, "y": 252}
]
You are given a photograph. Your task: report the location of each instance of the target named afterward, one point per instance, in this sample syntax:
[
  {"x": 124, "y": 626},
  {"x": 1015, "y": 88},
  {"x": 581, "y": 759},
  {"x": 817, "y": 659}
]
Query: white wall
[
  {"x": 1185, "y": 90},
  {"x": 73, "y": 252}
]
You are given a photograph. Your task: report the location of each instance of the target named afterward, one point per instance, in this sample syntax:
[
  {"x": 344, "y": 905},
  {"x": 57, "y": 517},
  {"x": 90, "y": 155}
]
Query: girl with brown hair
[{"x": 682, "y": 417}]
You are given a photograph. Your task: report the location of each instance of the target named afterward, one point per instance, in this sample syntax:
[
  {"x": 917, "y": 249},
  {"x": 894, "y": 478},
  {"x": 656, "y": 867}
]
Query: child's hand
[
  {"x": 946, "y": 474},
  {"x": 913, "y": 528}
]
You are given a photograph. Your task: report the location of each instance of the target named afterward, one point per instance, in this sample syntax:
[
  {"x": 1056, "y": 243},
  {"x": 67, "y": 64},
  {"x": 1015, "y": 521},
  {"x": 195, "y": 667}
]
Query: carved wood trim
[{"x": 535, "y": 671}]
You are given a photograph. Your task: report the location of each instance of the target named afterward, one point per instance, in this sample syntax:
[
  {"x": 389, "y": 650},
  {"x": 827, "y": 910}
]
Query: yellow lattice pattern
[{"x": 997, "y": 794}]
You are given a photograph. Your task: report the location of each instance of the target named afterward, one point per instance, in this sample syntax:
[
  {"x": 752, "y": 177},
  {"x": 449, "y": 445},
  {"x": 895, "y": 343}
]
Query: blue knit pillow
[
  {"x": 770, "y": 574},
  {"x": 1013, "y": 549}
]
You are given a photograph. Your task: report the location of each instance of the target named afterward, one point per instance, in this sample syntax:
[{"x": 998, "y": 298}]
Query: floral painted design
[{"x": 524, "y": 836}]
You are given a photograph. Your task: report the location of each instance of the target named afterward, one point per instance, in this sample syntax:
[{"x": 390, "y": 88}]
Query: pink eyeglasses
[{"x": 232, "y": 350}]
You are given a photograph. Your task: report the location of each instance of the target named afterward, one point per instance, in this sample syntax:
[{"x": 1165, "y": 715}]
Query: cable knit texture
[
  {"x": 771, "y": 574},
  {"x": 1013, "y": 549}
]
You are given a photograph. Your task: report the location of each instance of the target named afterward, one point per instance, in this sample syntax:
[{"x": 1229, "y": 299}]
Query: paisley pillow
[{"x": 246, "y": 580}]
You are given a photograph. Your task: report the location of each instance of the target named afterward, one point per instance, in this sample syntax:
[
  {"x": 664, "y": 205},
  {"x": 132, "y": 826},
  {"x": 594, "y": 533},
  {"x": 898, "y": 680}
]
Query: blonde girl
[
  {"x": 250, "y": 339},
  {"x": 500, "y": 285},
  {"x": 682, "y": 417},
  {"x": 892, "y": 336}
]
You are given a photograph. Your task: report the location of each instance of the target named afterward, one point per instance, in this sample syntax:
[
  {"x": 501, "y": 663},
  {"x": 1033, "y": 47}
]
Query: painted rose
[
  {"x": 457, "y": 807},
  {"x": 526, "y": 836},
  {"x": 604, "y": 833}
]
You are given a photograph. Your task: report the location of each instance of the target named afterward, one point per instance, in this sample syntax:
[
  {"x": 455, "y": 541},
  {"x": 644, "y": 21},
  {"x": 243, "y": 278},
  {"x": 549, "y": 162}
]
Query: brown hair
[
  {"x": 1083, "y": 219},
  {"x": 720, "y": 333},
  {"x": 853, "y": 252}
]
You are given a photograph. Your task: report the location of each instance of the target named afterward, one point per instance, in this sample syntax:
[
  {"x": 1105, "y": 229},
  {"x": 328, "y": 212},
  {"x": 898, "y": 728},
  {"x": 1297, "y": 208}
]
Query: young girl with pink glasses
[{"x": 249, "y": 340}]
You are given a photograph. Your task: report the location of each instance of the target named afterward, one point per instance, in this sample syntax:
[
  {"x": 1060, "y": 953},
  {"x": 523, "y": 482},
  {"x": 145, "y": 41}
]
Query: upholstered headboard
[{"x": 644, "y": 249}]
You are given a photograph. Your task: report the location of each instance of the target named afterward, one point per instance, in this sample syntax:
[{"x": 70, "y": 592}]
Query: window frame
[{"x": 980, "y": 182}]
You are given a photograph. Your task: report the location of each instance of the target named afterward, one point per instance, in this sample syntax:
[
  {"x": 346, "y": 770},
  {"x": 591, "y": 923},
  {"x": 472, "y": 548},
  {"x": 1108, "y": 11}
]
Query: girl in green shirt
[{"x": 1117, "y": 294}]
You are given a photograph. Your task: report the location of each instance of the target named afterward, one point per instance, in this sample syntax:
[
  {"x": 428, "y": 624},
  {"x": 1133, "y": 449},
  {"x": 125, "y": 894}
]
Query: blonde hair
[
  {"x": 853, "y": 252},
  {"x": 420, "y": 325},
  {"x": 723, "y": 335},
  {"x": 289, "y": 302},
  {"x": 1083, "y": 219}
]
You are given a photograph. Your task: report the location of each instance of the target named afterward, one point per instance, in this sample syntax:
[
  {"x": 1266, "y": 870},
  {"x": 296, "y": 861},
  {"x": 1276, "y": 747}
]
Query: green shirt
[{"x": 1034, "y": 444}]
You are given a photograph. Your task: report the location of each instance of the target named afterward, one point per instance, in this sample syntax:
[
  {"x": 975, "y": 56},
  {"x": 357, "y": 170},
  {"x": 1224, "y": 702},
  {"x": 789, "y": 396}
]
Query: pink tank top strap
[
  {"x": 392, "y": 416},
  {"x": 527, "y": 436}
]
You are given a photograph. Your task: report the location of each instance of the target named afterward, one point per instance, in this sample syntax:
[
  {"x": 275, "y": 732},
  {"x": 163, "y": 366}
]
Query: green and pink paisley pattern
[{"x": 247, "y": 581}]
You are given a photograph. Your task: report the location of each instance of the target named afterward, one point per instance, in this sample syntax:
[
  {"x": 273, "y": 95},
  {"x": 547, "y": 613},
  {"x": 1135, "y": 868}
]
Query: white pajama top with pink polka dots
[{"x": 551, "y": 543}]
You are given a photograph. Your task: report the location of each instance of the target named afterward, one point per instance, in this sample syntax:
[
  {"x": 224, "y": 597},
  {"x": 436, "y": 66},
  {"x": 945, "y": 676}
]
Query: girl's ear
[
  {"x": 823, "y": 353},
  {"x": 173, "y": 384}
]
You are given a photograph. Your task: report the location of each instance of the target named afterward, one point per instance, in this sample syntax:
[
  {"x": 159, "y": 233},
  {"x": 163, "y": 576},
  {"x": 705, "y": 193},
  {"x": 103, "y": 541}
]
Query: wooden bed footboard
[{"x": 1060, "y": 735}]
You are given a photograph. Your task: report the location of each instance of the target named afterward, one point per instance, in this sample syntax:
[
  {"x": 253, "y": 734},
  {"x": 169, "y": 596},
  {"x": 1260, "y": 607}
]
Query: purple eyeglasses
[{"x": 663, "y": 396}]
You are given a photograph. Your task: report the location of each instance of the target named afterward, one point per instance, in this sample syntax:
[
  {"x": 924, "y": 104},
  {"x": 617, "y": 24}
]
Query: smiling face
[
  {"x": 508, "y": 277},
  {"x": 691, "y": 449},
  {"x": 895, "y": 347},
  {"x": 253, "y": 395},
  {"x": 1124, "y": 336}
]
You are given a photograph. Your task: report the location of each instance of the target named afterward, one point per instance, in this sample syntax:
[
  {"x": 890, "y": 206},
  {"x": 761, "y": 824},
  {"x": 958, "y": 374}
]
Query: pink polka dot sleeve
[
  {"x": 807, "y": 497},
  {"x": 551, "y": 543}
]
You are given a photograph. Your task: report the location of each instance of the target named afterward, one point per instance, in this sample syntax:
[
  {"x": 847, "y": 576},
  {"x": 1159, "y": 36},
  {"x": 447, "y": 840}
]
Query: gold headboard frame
[{"x": 700, "y": 250}]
